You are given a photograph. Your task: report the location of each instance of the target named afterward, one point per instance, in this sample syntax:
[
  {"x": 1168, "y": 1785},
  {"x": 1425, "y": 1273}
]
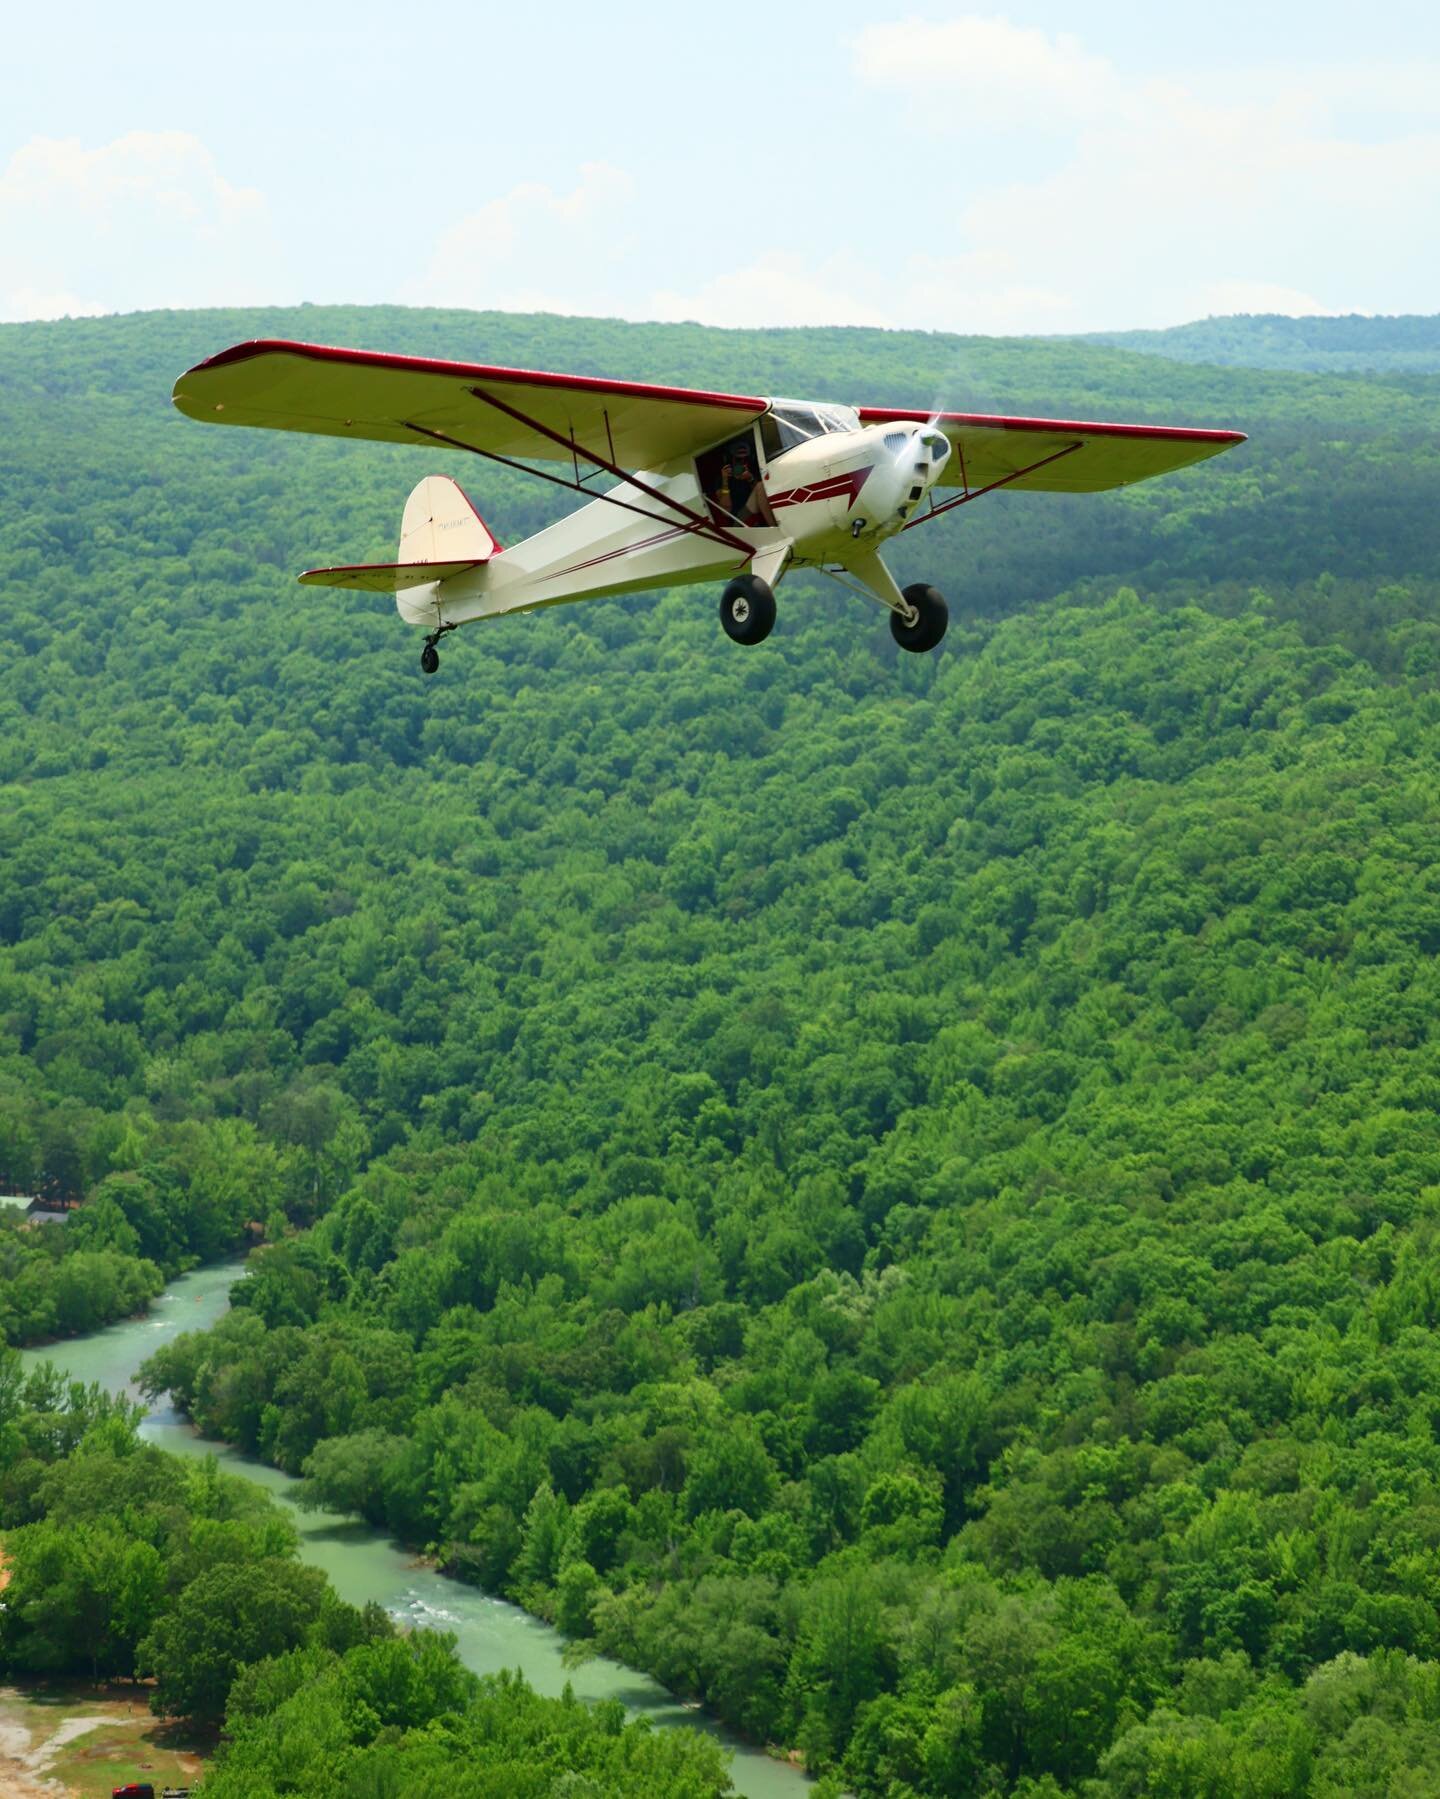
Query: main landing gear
[
  {"x": 918, "y": 614},
  {"x": 928, "y": 620},
  {"x": 747, "y": 609}
]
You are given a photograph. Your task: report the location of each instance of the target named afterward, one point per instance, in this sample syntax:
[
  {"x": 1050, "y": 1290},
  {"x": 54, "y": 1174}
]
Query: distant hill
[
  {"x": 1336, "y": 479},
  {"x": 1268, "y": 340}
]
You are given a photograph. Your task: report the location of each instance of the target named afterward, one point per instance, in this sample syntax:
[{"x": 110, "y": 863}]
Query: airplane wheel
[
  {"x": 747, "y": 609},
  {"x": 429, "y": 659},
  {"x": 930, "y": 624}
]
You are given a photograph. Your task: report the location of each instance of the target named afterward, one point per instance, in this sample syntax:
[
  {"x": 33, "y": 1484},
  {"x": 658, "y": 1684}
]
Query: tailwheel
[
  {"x": 928, "y": 620},
  {"x": 429, "y": 657},
  {"x": 747, "y": 609}
]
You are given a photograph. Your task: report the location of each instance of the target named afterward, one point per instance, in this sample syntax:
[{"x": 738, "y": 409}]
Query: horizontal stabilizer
[{"x": 386, "y": 577}]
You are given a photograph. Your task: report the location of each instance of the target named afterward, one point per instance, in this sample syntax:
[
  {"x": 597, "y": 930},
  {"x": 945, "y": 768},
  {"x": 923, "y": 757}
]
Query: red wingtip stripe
[
  {"x": 475, "y": 371},
  {"x": 893, "y": 415}
]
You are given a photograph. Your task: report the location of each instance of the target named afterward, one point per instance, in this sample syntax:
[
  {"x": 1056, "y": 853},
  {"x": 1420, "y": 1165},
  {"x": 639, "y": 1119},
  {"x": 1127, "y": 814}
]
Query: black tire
[
  {"x": 747, "y": 609},
  {"x": 429, "y": 658},
  {"x": 930, "y": 624}
]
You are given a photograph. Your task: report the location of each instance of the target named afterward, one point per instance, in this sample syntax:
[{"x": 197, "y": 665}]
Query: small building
[{"x": 30, "y": 1208}]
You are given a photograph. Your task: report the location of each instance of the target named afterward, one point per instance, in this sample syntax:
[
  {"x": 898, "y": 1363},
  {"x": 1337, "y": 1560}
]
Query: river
[{"x": 364, "y": 1565}]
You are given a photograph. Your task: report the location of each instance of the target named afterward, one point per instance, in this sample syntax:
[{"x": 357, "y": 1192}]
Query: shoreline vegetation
[
  {"x": 128, "y": 1564},
  {"x": 374, "y": 1579},
  {"x": 899, "y": 1196}
]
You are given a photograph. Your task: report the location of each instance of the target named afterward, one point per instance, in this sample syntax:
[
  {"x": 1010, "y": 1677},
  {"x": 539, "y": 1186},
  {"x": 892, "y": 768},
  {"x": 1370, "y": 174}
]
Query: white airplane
[{"x": 708, "y": 487}]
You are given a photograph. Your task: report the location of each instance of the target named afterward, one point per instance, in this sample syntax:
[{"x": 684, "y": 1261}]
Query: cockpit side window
[{"x": 771, "y": 441}]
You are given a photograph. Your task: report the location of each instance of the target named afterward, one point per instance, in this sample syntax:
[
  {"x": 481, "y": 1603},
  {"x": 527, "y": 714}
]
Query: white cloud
[
  {"x": 988, "y": 69},
  {"x": 534, "y": 250},
  {"x": 21, "y": 303},
  {"x": 987, "y": 292},
  {"x": 979, "y": 293},
  {"x": 145, "y": 220},
  {"x": 169, "y": 173},
  {"x": 1223, "y": 298},
  {"x": 1165, "y": 200},
  {"x": 774, "y": 290}
]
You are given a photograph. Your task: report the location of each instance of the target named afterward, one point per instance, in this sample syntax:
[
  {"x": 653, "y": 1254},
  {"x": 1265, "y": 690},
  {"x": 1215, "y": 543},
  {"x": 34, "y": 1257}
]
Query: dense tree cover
[
  {"x": 1408, "y": 343},
  {"x": 964, "y": 1245},
  {"x": 52, "y": 1284},
  {"x": 401, "y": 1718},
  {"x": 126, "y": 1562},
  {"x": 117, "y": 1551},
  {"x": 897, "y": 1194},
  {"x": 158, "y": 1202}
]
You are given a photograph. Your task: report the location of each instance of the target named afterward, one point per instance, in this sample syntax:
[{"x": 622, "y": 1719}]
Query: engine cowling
[{"x": 911, "y": 460}]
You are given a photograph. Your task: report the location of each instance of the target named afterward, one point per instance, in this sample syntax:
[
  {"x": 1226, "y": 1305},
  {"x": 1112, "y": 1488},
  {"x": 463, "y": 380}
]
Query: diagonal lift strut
[{"x": 695, "y": 521}]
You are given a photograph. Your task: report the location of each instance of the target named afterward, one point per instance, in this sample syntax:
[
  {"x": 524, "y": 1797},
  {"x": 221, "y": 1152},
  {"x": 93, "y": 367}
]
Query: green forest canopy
[{"x": 896, "y": 1193}]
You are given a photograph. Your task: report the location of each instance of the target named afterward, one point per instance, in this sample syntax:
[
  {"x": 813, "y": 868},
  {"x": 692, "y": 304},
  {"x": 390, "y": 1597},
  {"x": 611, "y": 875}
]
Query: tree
[
  {"x": 227, "y": 1617},
  {"x": 843, "y": 1658},
  {"x": 82, "y": 1593}
]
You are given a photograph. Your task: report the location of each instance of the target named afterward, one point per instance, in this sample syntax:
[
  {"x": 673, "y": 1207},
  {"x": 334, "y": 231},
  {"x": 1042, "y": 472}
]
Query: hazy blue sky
[{"x": 1022, "y": 167}]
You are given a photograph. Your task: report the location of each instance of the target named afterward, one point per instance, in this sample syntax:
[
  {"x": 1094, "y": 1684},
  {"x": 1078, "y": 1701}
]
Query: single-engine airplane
[{"x": 708, "y": 487}]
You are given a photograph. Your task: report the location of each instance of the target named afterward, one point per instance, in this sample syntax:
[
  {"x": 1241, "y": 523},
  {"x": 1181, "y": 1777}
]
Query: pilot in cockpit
[
  {"x": 738, "y": 474},
  {"x": 734, "y": 488}
]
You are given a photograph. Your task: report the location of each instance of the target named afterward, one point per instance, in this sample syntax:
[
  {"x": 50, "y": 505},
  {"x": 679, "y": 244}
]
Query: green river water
[{"x": 364, "y": 1565}]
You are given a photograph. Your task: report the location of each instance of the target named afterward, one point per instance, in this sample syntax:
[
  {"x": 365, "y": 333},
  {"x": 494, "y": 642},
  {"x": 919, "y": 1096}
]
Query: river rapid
[{"x": 363, "y": 1564}]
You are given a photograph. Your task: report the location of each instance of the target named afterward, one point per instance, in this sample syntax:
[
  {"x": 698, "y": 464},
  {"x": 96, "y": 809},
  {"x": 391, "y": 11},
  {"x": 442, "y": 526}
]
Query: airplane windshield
[{"x": 788, "y": 423}]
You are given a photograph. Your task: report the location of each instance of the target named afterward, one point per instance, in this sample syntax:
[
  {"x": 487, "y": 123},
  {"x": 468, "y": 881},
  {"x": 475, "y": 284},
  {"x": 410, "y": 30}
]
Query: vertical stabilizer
[{"x": 441, "y": 525}]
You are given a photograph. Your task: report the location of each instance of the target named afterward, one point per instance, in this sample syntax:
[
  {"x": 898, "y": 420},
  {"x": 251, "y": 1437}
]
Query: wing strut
[
  {"x": 700, "y": 525},
  {"x": 965, "y": 498}
]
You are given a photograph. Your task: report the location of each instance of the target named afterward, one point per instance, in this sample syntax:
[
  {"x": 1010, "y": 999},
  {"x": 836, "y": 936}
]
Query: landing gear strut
[
  {"x": 747, "y": 609},
  {"x": 927, "y": 622}
]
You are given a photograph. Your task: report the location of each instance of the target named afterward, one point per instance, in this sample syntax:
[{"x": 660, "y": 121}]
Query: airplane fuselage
[{"x": 828, "y": 500}]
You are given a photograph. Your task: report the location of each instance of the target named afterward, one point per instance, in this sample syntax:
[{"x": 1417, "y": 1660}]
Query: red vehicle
[{"x": 133, "y": 1789}]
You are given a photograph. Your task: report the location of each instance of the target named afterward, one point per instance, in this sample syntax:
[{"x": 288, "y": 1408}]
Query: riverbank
[
  {"x": 83, "y": 1741},
  {"x": 363, "y": 1565}
]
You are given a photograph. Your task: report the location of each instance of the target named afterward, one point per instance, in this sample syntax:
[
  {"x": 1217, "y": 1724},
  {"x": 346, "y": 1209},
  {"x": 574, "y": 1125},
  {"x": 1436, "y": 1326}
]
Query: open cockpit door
[{"x": 731, "y": 477}]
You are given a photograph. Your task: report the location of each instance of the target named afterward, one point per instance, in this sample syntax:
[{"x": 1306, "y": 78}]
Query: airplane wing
[
  {"x": 518, "y": 413},
  {"x": 1056, "y": 455}
]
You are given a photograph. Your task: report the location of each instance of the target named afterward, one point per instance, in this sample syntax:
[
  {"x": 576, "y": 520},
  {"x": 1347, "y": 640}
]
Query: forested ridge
[
  {"x": 898, "y": 1194},
  {"x": 1408, "y": 343}
]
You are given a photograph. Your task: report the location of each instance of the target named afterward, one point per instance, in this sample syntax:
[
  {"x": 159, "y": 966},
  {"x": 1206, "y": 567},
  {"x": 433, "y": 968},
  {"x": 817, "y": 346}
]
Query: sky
[{"x": 1023, "y": 167}]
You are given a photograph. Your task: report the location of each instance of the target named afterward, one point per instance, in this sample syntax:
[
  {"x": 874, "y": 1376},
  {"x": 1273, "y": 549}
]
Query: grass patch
[
  {"x": 127, "y": 1744},
  {"x": 114, "y": 1753}
]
